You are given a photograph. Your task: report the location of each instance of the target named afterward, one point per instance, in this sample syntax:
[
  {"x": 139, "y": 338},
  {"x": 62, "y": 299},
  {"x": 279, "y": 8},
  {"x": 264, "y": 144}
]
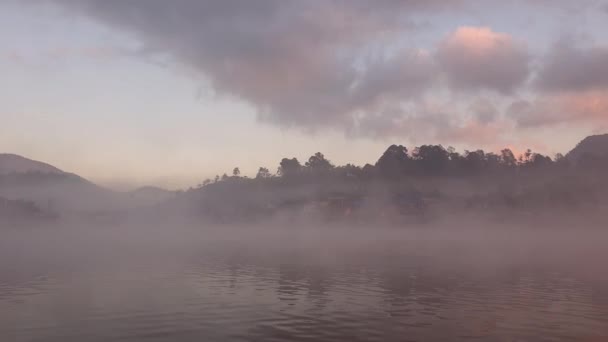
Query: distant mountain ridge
[
  {"x": 23, "y": 179},
  {"x": 49, "y": 188},
  {"x": 54, "y": 190},
  {"x": 12, "y": 163},
  {"x": 594, "y": 145}
]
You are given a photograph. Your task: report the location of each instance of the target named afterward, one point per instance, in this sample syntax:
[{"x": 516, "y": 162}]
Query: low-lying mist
[
  {"x": 461, "y": 244},
  {"x": 243, "y": 282}
]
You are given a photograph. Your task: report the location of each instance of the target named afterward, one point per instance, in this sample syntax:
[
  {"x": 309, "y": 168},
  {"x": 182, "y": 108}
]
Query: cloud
[
  {"x": 477, "y": 58},
  {"x": 568, "y": 6},
  {"x": 569, "y": 67},
  {"x": 571, "y": 108},
  {"x": 387, "y": 81},
  {"x": 345, "y": 65},
  {"x": 419, "y": 121},
  {"x": 484, "y": 111},
  {"x": 426, "y": 121},
  {"x": 299, "y": 63}
]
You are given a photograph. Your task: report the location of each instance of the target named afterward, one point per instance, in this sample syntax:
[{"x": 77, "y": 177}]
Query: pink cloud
[
  {"x": 477, "y": 58},
  {"x": 585, "y": 107}
]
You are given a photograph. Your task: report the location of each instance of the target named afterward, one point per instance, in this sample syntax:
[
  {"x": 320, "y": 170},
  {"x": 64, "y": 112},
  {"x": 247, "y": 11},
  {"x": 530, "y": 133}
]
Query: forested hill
[
  {"x": 595, "y": 146},
  {"x": 426, "y": 181}
]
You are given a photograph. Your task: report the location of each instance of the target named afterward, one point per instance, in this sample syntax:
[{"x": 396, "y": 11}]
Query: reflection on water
[{"x": 193, "y": 286}]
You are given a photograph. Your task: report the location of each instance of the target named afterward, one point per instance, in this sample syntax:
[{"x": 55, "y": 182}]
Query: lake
[{"x": 303, "y": 284}]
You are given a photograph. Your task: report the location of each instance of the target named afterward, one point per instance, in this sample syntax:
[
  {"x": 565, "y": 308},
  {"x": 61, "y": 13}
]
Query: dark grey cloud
[
  {"x": 315, "y": 64},
  {"x": 300, "y": 63},
  {"x": 569, "y": 67},
  {"x": 389, "y": 80},
  {"x": 478, "y": 58}
]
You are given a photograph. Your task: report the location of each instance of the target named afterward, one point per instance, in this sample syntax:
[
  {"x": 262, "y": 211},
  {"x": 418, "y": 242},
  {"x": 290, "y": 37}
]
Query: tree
[
  {"x": 236, "y": 172},
  {"x": 349, "y": 171},
  {"x": 474, "y": 161},
  {"x": 289, "y": 167},
  {"x": 492, "y": 161},
  {"x": 453, "y": 155},
  {"x": 368, "y": 171},
  {"x": 456, "y": 162},
  {"x": 263, "y": 173},
  {"x": 431, "y": 159},
  {"x": 394, "y": 162},
  {"x": 561, "y": 160},
  {"x": 527, "y": 156},
  {"x": 538, "y": 160},
  {"x": 507, "y": 158},
  {"x": 318, "y": 164}
]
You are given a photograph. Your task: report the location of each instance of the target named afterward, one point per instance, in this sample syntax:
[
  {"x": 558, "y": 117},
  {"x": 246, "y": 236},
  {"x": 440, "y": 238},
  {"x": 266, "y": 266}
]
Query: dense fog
[{"x": 441, "y": 247}]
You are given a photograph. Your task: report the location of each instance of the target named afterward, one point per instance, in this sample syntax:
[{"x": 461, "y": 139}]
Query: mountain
[
  {"x": 23, "y": 180},
  {"x": 594, "y": 146},
  {"x": 53, "y": 190},
  {"x": 12, "y": 163}
]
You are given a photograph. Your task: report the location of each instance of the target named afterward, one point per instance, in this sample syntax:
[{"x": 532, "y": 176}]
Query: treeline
[
  {"x": 406, "y": 186},
  {"x": 397, "y": 163}
]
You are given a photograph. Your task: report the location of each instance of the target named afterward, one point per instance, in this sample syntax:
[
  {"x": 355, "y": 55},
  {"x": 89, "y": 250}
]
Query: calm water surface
[{"x": 138, "y": 284}]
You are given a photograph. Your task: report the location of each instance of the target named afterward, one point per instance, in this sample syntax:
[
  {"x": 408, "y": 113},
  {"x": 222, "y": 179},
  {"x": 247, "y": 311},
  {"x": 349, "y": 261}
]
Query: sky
[{"x": 132, "y": 92}]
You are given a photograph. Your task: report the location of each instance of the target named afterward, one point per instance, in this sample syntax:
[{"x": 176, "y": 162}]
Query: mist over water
[
  {"x": 303, "y": 283},
  {"x": 353, "y": 170},
  {"x": 424, "y": 246}
]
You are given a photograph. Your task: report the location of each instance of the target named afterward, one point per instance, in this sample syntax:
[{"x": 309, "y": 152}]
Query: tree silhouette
[
  {"x": 527, "y": 157},
  {"x": 349, "y": 171},
  {"x": 394, "y": 162},
  {"x": 318, "y": 164},
  {"x": 474, "y": 162},
  {"x": 431, "y": 159},
  {"x": 289, "y": 167},
  {"x": 507, "y": 158},
  {"x": 539, "y": 160},
  {"x": 397, "y": 179},
  {"x": 263, "y": 173},
  {"x": 368, "y": 171}
]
